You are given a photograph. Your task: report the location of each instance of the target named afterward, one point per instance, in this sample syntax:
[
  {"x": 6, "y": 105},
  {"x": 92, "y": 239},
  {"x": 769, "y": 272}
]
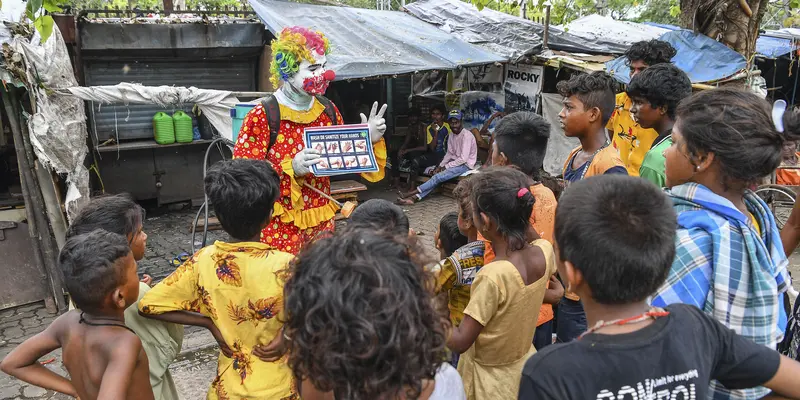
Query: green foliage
[
  {"x": 661, "y": 12},
  {"x": 36, "y": 11}
]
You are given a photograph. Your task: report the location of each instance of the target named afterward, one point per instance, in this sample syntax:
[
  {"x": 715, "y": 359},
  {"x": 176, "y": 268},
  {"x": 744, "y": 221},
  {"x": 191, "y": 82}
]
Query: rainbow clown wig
[{"x": 292, "y": 46}]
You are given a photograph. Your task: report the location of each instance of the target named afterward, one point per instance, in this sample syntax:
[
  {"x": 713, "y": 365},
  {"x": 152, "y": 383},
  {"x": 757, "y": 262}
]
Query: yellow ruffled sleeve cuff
[
  {"x": 379, "y": 149},
  {"x": 301, "y": 218},
  {"x": 295, "y": 188}
]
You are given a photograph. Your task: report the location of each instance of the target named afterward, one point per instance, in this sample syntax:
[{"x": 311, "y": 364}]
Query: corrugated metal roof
[
  {"x": 369, "y": 43},
  {"x": 504, "y": 34}
]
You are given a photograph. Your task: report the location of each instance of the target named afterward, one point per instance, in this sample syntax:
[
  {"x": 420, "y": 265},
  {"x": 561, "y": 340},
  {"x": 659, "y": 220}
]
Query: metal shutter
[{"x": 135, "y": 121}]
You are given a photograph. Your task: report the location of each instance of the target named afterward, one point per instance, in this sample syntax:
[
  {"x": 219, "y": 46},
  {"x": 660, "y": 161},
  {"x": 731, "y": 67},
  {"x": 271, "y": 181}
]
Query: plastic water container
[
  {"x": 237, "y": 116},
  {"x": 163, "y": 128},
  {"x": 183, "y": 127}
]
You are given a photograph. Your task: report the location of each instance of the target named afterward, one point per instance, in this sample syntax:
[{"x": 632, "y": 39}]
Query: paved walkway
[{"x": 168, "y": 236}]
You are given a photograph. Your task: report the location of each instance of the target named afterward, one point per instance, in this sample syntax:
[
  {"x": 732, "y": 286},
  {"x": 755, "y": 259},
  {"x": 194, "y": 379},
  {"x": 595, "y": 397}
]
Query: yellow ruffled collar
[{"x": 302, "y": 117}]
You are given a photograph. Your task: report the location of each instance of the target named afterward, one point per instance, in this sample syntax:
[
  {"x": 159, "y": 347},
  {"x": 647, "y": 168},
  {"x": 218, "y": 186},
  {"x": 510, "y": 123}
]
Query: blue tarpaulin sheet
[
  {"x": 702, "y": 58},
  {"x": 767, "y": 46},
  {"x": 371, "y": 43}
]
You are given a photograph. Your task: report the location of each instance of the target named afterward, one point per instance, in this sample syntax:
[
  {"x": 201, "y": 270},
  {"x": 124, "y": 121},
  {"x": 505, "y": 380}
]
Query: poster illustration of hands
[
  {"x": 345, "y": 149},
  {"x": 523, "y": 85}
]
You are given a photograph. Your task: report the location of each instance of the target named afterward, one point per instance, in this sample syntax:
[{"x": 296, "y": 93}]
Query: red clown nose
[{"x": 329, "y": 75}]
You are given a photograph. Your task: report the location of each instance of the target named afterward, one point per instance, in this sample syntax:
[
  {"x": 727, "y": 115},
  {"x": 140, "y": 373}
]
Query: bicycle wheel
[{"x": 780, "y": 201}]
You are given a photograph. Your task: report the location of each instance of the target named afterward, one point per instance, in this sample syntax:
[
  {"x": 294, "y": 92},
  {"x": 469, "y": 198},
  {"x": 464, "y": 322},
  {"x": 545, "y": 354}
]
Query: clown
[{"x": 298, "y": 67}]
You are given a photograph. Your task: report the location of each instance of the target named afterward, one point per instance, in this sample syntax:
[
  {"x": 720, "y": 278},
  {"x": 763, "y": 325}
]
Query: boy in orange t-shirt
[{"x": 520, "y": 141}]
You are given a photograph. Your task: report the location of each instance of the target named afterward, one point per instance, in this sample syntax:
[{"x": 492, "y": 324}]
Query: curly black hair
[
  {"x": 663, "y": 85},
  {"x": 361, "y": 318},
  {"x": 651, "y": 52},
  {"x": 496, "y": 193},
  {"x": 737, "y": 127},
  {"x": 593, "y": 90}
]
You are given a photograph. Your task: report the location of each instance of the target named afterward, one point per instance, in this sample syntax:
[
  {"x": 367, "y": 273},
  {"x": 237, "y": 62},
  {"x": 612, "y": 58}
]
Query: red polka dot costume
[{"x": 300, "y": 214}]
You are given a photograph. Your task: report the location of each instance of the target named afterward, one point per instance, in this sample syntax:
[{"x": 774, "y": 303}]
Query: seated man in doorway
[
  {"x": 414, "y": 145},
  {"x": 436, "y": 135},
  {"x": 462, "y": 153}
]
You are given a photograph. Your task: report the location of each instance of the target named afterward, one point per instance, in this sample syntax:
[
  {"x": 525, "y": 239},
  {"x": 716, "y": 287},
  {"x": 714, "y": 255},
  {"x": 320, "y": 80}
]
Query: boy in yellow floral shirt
[{"x": 235, "y": 290}]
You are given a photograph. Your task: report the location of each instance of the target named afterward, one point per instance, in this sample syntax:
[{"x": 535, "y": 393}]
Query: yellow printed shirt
[
  {"x": 240, "y": 287},
  {"x": 631, "y": 140},
  {"x": 456, "y": 276}
]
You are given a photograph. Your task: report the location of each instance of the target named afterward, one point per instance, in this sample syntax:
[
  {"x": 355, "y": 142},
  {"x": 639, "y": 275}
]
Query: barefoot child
[
  {"x": 103, "y": 357},
  {"x": 496, "y": 333},
  {"x": 362, "y": 322},
  {"x": 235, "y": 290},
  {"x": 614, "y": 245},
  {"x": 160, "y": 340},
  {"x": 588, "y": 104}
]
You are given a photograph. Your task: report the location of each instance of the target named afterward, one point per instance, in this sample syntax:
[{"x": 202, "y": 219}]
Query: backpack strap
[
  {"x": 273, "y": 113},
  {"x": 329, "y": 109}
]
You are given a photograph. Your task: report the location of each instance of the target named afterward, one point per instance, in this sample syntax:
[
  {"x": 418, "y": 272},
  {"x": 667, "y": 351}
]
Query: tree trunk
[{"x": 726, "y": 21}]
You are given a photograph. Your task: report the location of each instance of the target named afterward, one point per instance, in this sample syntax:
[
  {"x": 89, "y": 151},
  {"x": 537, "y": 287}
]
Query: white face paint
[{"x": 312, "y": 78}]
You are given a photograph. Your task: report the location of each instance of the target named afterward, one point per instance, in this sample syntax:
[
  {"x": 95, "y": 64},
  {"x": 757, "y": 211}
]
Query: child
[
  {"x": 730, "y": 262},
  {"x": 461, "y": 156},
  {"x": 235, "y": 290},
  {"x": 632, "y": 140},
  {"x": 614, "y": 244},
  {"x": 448, "y": 236},
  {"x": 362, "y": 324},
  {"x": 103, "y": 357},
  {"x": 656, "y": 93},
  {"x": 381, "y": 214},
  {"x": 496, "y": 333},
  {"x": 161, "y": 340},
  {"x": 457, "y": 271},
  {"x": 588, "y": 104},
  {"x": 521, "y": 142}
]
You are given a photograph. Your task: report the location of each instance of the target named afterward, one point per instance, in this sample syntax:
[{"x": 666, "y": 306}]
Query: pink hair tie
[{"x": 522, "y": 192}]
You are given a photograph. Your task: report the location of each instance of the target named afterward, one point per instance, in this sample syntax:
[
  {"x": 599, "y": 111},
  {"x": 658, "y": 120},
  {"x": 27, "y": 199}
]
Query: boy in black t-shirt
[{"x": 615, "y": 245}]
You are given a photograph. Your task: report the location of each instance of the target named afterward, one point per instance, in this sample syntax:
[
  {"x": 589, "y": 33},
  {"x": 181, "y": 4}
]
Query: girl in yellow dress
[
  {"x": 235, "y": 290},
  {"x": 496, "y": 333}
]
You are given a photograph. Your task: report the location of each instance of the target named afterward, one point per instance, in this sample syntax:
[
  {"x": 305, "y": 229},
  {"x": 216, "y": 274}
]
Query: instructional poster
[{"x": 345, "y": 149}]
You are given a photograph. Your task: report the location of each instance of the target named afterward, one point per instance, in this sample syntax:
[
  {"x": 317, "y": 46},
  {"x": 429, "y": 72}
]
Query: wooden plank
[
  {"x": 346, "y": 187},
  {"x": 145, "y": 144},
  {"x": 213, "y": 224}
]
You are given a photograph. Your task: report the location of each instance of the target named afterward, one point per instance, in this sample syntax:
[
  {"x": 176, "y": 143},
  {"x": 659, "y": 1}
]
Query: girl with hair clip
[
  {"x": 496, "y": 333},
  {"x": 730, "y": 261}
]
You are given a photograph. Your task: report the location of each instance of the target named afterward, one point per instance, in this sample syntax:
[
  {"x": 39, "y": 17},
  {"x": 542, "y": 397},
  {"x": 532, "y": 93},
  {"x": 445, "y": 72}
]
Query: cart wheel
[{"x": 780, "y": 201}]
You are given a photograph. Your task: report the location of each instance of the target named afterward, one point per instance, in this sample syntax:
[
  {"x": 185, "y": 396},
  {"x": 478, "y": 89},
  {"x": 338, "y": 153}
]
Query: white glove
[
  {"x": 303, "y": 160},
  {"x": 376, "y": 122}
]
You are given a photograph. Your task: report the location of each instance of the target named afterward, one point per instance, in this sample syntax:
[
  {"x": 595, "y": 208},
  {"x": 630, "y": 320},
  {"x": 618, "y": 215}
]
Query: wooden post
[
  {"x": 168, "y": 7},
  {"x": 43, "y": 243}
]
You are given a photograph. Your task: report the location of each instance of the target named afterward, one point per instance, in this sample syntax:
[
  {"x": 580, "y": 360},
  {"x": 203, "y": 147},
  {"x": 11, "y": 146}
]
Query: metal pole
[{"x": 546, "y": 34}]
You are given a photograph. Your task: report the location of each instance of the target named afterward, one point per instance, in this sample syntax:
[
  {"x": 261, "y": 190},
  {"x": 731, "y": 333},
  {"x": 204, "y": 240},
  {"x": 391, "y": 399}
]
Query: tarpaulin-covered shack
[{"x": 528, "y": 81}]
